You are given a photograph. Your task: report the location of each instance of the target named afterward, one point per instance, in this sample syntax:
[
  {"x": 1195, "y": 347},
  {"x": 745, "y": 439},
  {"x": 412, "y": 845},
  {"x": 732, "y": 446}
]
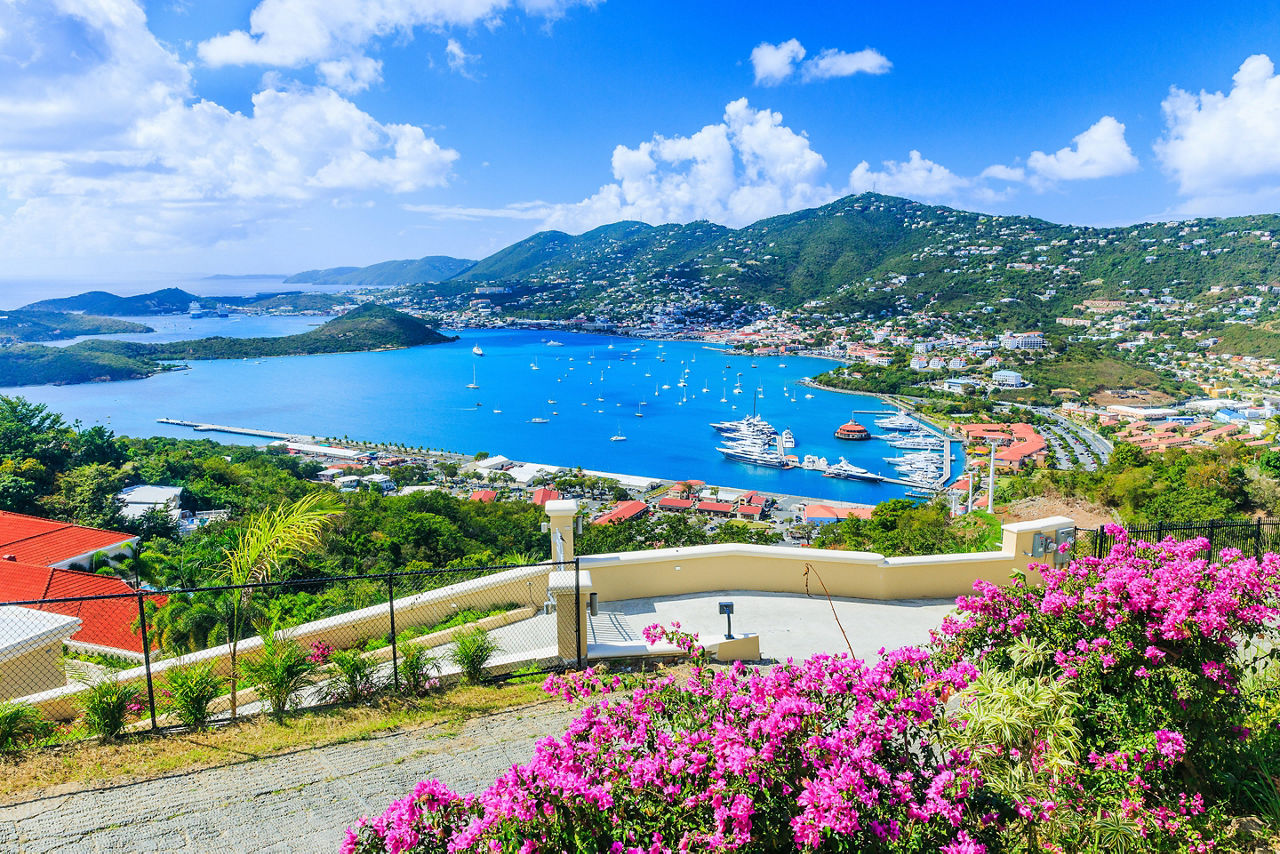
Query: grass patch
[
  {"x": 984, "y": 528},
  {"x": 142, "y": 757}
]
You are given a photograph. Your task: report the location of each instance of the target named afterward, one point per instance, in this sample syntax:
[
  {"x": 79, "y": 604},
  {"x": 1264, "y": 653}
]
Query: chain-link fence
[
  {"x": 1253, "y": 537},
  {"x": 285, "y": 644}
]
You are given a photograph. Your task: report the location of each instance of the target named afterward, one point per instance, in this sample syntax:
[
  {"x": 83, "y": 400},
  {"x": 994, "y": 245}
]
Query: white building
[
  {"x": 1008, "y": 379},
  {"x": 139, "y": 499}
]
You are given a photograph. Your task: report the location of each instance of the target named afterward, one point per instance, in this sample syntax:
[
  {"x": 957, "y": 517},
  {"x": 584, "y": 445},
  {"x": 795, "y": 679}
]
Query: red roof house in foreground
[
  {"x": 44, "y": 542},
  {"x": 34, "y": 554}
]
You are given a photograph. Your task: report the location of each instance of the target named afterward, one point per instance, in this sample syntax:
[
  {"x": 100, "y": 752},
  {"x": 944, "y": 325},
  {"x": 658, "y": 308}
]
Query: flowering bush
[
  {"x": 830, "y": 753},
  {"x": 1151, "y": 651},
  {"x": 1101, "y": 711}
]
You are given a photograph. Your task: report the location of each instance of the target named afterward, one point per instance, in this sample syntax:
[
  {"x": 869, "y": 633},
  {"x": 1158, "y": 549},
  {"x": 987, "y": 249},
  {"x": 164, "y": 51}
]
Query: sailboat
[
  {"x": 476, "y": 349},
  {"x": 618, "y": 437},
  {"x": 472, "y": 384},
  {"x": 639, "y": 414},
  {"x": 534, "y": 363},
  {"x": 723, "y": 399}
]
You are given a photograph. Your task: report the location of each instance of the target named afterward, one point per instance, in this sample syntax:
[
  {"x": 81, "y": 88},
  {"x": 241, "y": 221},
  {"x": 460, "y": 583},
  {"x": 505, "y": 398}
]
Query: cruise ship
[{"x": 848, "y": 471}]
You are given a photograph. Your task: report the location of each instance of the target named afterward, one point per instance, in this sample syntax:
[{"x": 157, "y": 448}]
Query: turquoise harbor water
[{"x": 589, "y": 389}]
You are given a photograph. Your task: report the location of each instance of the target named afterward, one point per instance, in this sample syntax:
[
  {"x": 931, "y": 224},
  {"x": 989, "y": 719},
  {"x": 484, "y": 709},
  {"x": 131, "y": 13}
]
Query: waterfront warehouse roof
[{"x": 44, "y": 542}]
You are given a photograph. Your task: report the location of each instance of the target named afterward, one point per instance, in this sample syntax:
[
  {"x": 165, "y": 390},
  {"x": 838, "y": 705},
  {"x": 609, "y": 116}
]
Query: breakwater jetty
[{"x": 239, "y": 431}]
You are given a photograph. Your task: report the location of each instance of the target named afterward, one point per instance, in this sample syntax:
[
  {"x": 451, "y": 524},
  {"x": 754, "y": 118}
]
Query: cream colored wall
[
  {"x": 37, "y": 670},
  {"x": 774, "y": 569}
]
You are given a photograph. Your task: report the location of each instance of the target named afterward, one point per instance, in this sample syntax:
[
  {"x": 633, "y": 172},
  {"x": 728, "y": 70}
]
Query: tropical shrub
[
  {"x": 472, "y": 649},
  {"x": 188, "y": 691},
  {"x": 1127, "y": 704},
  {"x": 419, "y": 669},
  {"x": 21, "y": 726},
  {"x": 279, "y": 671},
  {"x": 107, "y": 706},
  {"x": 357, "y": 676}
]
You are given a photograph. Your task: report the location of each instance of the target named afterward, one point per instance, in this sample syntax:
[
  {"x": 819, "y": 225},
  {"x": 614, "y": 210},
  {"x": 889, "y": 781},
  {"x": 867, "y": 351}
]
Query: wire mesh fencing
[{"x": 236, "y": 650}]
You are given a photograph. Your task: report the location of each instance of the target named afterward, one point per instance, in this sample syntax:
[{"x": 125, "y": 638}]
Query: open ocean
[{"x": 590, "y": 389}]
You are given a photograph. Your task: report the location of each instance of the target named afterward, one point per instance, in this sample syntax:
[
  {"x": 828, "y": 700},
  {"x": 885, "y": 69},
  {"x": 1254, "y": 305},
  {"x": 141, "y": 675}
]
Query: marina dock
[{"x": 239, "y": 431}]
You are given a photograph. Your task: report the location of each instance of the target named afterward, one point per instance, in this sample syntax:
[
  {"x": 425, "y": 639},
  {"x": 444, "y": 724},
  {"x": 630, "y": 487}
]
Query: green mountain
[
  {"x": 433, "y": 268},
  {"x": 166, "y": 301},
  {"x": 876, "y": 254},
  {"x": 23, "y": 326},
  {"x": 368, "y": 327}
]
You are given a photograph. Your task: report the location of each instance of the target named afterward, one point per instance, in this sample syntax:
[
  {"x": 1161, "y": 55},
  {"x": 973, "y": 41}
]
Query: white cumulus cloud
[
  {"x": 837, "y": 63},
  {"x": 109, "y": 148},
  {"x": 741, "y": 169},
  {"x": 1099, "y": 152},
  {"x": 774, "y": 63},
  {"x": 296, "y": 33},
  {"x": 917, "y": 177},
  {"x": 1224, "y": 149}
]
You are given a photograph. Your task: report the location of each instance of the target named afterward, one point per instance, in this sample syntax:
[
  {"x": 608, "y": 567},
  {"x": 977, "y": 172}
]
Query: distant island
[
  {"x": 368, "y": 327},
  {"x": 178, "y": 301},
  {"x": 433, "y": 268},
  {"x": 23, "y": 326}
]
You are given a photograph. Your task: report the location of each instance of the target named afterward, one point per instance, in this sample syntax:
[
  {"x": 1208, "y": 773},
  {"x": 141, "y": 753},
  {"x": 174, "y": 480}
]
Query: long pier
[{"x": 239, "y": 431}]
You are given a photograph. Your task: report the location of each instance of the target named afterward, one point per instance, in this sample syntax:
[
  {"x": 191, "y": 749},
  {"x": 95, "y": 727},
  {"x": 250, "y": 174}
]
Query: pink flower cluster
[
  {"x": 717, "y": 761},
  {"x": 320, "y": 652}
]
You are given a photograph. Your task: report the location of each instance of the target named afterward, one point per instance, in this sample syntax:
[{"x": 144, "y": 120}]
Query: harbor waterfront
[{"x": 607, "y": 403}]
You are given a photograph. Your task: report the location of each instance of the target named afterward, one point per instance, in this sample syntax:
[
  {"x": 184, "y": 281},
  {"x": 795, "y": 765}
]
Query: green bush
[
  {"x": 22, "y": 725},
  {"x": 472, "y": 649},
  {"x": 419, "y": 669},
  {"x": 107, "y": 705},
  {"x": 189, "y": 689},
  {"x": 279, "y": 672},
  {"x": 357, "y": 676}
]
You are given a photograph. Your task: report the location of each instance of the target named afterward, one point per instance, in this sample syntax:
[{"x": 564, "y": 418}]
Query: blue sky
[{"x": 275, "y": 135}]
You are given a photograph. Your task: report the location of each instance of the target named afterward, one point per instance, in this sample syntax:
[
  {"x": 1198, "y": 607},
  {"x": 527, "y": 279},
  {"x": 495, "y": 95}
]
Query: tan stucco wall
[
  {"x": 37, "y": 670},
  {"x": 773, "y": 569}
]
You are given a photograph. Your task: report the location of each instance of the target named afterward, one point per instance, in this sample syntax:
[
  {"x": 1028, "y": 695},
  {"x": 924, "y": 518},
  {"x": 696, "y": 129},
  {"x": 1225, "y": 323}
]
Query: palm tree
[{"x": 262, "y": 545}]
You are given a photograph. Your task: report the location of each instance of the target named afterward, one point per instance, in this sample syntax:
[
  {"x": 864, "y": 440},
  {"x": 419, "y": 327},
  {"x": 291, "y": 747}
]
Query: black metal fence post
[
  {"x": 391, "y": 606},
  {"x": 577, "y": 610},
  {"x": 146, "y": 659}
]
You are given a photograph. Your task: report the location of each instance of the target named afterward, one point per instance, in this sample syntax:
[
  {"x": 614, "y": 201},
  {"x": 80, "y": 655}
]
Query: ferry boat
[
  {"x": 539, "y": 420},
  {"x": 853, "y": 431},
  {"x": 554, "y": 343},
  {"x": 848, "y": 471},
  {"x": 476, "y": 349}
]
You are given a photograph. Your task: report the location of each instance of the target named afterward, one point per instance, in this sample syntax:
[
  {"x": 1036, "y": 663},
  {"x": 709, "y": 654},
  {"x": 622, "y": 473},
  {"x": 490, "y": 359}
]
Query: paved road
[{"x": 299, "y": 802}]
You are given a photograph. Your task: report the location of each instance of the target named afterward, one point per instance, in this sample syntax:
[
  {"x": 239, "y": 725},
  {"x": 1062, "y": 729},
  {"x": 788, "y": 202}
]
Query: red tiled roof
[
  {"x": 104, "y": 622},
  {"x": 749, "y": 510},
  {"x": 826, "y": 511},
  {"x": 44, "y": 542},
  {"x": 542, "y": 495},
  {"x": 715, "y": 506},
  {"x": 676, "y": 503},
  {"x": 625, "y": 510},
  {"x": 484, "y": 496}
]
